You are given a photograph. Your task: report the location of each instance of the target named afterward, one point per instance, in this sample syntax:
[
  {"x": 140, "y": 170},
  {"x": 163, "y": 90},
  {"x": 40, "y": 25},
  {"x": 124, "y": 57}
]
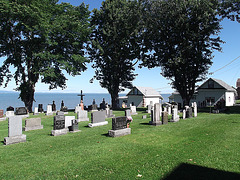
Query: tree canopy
[
  {"x": 181, "y": 36},
  {"x": 40, "y": 39},
  {"x": 116, "y": 44}
]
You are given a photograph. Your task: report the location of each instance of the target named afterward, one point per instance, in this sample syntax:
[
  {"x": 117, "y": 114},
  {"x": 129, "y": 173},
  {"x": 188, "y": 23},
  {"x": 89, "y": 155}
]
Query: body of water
[{"x": 70, "y": 99}]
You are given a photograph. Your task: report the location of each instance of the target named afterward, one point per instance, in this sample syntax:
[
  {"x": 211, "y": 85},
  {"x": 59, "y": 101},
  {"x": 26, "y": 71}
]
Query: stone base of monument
[
  {"x": 15, "y": 139},
  {"x": 65, "y": 112},
  {"x": 120, "y": 132},
  {"x": 3, "y": 119},
  {"x": 154, "y": 123},
  {"x": 74, "y": 131},
  {"x": 60, "y": 132},
  {"x": 32, "y": 128},
  {"x": 97, "y": 124},
  {"x": 175, "y": 120},
  {"x": 82, "y": 119}
]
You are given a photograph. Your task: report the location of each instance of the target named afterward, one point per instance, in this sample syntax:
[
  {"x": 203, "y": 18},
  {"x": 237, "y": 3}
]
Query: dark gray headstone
[
  {"x": 74, "y": 126},
  {"x": 98, "y": 116},
  {"x": 119, "y": 123},
  {"x": 189, "y": 112},
  {"x": 40, "y": 108},
  {"x": 53, "y": 106},
  {"x": 60, "y": 113},
  {"x": 10, "y": 108},
  {"x": 59, "y": 122},
  {"x": 103, "y": 105},
  {"x": 21, "y": 111},
  {"x": 164, "y": 117}
]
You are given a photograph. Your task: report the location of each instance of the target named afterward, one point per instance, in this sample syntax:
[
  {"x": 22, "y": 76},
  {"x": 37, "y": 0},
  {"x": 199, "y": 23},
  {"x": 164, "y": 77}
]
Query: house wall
[
  {"x": 230, "y": 98},
  {"x": 206, "y": 93},
  {"x": 149, "y": 99},
  {"x": 137, "y": 100}
]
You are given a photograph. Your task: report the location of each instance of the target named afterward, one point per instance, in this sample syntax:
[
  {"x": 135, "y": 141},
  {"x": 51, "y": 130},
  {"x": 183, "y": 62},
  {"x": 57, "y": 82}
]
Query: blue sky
[{"x": 152, "y": 78}]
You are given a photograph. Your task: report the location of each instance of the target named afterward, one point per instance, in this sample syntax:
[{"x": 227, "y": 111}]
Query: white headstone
[
  {"x": 133, "y": 110},
  {"x": 9, "y": 113},
  {"x": 184, "y": 114},
  {"x": 49, "y": 110},
  {"x": 82, "y": 115},
  {"x": 77, "y": 108},
  {"x": 155, "y": 115},
  {"x": 68, "y": 121},
  {"x": 195, "y": 109},
  {"x": 169, "y": 110},
  {"x": 35, "y": 110},
  {"x": 175, "y": 116}
]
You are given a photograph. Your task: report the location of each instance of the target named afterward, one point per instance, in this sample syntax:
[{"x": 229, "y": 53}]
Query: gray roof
[
  {"x": 149, "y": 92},
  {"x": 221, "y": 83}
]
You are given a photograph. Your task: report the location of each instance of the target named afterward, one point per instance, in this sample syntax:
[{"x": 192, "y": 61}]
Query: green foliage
[
  {"x": 40, "y": 39},
  {"x": 115, "y": 44},
  {"x": 182, "y": 36},
  {"x": 230, "y": 9},
  {"x": 210, "y": 140}
]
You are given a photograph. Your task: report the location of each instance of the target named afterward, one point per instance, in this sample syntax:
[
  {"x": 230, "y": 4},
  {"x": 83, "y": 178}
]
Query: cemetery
[{"x": 159, "y": 142}]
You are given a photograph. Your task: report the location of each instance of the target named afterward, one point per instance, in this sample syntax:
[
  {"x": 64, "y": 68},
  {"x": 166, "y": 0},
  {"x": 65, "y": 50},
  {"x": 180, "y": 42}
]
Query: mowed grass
[{"x": 210, "y": 140}]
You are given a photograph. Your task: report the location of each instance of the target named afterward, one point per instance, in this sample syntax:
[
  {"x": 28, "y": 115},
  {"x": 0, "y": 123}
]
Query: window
[
  {"x": 210, "y": 100},
  {"x": 210, "y": 84}
]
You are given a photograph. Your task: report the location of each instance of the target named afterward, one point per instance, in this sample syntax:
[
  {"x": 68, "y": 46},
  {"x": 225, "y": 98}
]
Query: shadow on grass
[
  {"x": 106, "y": 134},
  {"x": 144, "y": 123},
  {"x": 189, "y": 171},
  {"x": 2, "y": 142}
]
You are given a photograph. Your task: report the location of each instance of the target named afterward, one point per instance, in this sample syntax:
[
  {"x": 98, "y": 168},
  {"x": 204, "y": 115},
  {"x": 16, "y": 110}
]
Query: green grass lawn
[{"x": 210, "y": 140}]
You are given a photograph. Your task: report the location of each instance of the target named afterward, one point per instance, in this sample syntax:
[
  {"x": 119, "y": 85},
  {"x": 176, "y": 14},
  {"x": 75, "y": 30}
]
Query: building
[
  {"x": 210, "y": 93},
  {"x": 140, "y": 97}
]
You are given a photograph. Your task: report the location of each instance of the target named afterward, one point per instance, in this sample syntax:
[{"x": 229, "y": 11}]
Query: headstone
[
  {"x": 195, "y": 109},
  {"x": 10, "y": 114},
  {"x": 119, "y": 127},
  {"x": 1, "y": 115},
  {"x": 109, "y": 113},
  {"x": 35, "y": 111},
  {"x": 169, "y": 110},
  {"x": 21, "y": 111},
  {"x": 63, "y": 108},
  {"x": 155, "y": 115},
  {"x": 53, "y": 106},
  {"x": 59, "y": 126},
  {"x": 128, "y": 113},
  {"x": 40, "y": 108},
  {"x": 49, "y": 110},
  {"x": 165, "y": 109},
  {"x": 14, "y": 131},
  {"x": 144, "y": 116},
  {"x": 175, "y": 116},
  {"x": 184, "y": 114},
  {"x": 133, "y": 110},
  {"x": 94, "y": 106},
  {"x": 33, "y": 124},
  {"x": 189, "y": 113},
  {"x": 98, "y": 118},
  {"x": 74, "y": 127},
  {"x": 164, "y": 117},
  {"x": 77, "y": 108},
  {"x": 82, "y": 115},
  {"x": 149, "y": 108},
  {"x": 68, "y": 121},
  {"x": 103, "y": 105},
  {"x": 60, "y": 113}
]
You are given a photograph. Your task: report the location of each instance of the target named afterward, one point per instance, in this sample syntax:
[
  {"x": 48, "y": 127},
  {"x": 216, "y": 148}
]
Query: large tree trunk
[
  {"x": 27, "y": 91},
  {"x": 114, "y": 97}
]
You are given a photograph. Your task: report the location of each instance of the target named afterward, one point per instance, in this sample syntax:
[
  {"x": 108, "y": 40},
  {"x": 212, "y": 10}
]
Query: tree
[
  {"x": 230, "y": 9},
  {"x": 40, "y": 39},
  {"x": 181, "y": 36},
  {"x": 115, "y": 45}
]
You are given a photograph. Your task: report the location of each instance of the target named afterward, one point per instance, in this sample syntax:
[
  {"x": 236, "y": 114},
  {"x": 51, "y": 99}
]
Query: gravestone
[
  {"x": 74, "y": 127},
  {"x": 59, "y": 125},
  {"x": 77, "y": 108},
  {"x": 82, "y": 115},
  {"x": 149, "y": 108},
  {"x": 98, "y": 118},
  {"x": 164, "y": 117},
  {"x": 53, "y": 106},
  {"x": 49, "y": 110},
  {"x": 119, "y": 127},
  {"x": 189, "y": 112},
  {"x": 103, "y": 105},
  {"x": 68, "y": 121},
  {"x": 35, "y": 111},
  {"x": 10, "y": 108},
  {"x": 195, "y": 109},
  {"x": 94, "y": 106},
  {"x": 184, "y": 114},
  {"x": 169, "y": 110},
  {"x": 128, "y": 113},
  {"x": 40, "y": 108},
  {"x": 64, "y": 108},
  {"x": 155, "y": 115},
  {"x": 21, "y": 111},
  {"x": 33, "y": 124},
  {"x": 144, "y": 117},
  {"x": 109, "y": 112},
  {"x": 133, "y": 110},
  {"x": 1, "y": 113},
  {"x": 14, "y": 131},
  {"x": 165, "y": 109},
  {"x": 175, "y": 116}
]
